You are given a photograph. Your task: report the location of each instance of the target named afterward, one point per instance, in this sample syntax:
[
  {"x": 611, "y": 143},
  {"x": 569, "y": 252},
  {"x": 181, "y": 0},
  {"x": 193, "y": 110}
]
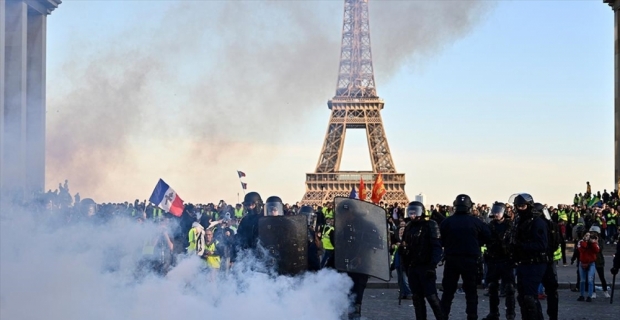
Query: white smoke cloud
[{"x": 58, "y": 271}]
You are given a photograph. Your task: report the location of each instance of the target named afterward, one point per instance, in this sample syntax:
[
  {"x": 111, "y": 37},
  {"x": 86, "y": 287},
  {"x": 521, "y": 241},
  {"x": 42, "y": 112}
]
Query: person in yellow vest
[
  {"x": 327, "y": 239},
  {"x": 212, "y": 251},
  {"x": 157, "y": 252},
  {"x": 238, "y": 211},
  {"x": 196, "y": 237}
]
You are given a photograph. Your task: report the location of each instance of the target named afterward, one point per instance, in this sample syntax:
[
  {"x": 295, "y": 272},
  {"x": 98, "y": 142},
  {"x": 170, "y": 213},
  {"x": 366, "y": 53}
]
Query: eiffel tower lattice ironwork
[{"x": 355, "y": 106}]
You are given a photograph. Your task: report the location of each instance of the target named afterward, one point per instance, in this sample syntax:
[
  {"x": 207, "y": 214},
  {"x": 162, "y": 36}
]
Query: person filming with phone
[{"x": 588, "y": 251}]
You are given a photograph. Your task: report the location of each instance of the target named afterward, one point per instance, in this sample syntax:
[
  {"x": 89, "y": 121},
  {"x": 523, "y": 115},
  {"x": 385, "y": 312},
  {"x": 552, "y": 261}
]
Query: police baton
[{"x": 613, "y": 287}]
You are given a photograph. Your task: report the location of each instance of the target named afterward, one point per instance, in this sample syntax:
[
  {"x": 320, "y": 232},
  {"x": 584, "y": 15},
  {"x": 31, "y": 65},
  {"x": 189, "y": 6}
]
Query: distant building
[{"x": 421, "y": 198}]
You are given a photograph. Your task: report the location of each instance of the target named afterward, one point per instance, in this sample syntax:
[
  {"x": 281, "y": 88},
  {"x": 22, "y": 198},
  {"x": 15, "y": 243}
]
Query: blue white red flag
[
  {"x": 241, "y": 174},
  {"x": 166, "y": 198},
  {"x": 353, "y": 194}
]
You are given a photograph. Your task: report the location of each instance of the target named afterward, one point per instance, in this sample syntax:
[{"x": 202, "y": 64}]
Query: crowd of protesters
[{"x": 209, "y": 229}]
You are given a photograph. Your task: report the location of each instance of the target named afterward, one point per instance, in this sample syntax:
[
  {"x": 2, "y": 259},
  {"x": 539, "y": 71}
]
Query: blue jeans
[
  {"x": 328, "y": 257},
  {"x": 403, "y": 281},
  {"x": 589, "y": 273}
]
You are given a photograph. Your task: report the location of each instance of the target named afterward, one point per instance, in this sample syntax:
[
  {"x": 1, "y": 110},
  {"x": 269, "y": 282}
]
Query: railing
[{"x": 353, "y": 176}]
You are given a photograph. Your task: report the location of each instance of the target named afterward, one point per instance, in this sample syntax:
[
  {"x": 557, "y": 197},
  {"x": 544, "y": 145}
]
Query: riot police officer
[
  {"x": 528, "y": 243},
  {"x": 314, "y": 264},
  {"x": 247, "y": 232},
  {"x": 500, "y": 267},
  {"x": 550, "y": 277},
  {"x": 462, "y": 235},
  {"x": 422, "y": 252}
]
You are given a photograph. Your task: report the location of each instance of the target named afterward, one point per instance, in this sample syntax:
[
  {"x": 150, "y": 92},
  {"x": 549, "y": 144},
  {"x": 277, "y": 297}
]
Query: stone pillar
[
  {"x": 35, "y": 104},
  {"x": 615, "y": 5},
  {"x": 2, "y": 46},
  {"x": 22, "y": 96},
  {"x": 617, "y": 94},
  {"x": 13, "y": 136}
]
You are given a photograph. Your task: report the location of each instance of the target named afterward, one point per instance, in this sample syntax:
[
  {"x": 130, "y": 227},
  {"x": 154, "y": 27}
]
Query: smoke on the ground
[{"x": 52, "y": 270}]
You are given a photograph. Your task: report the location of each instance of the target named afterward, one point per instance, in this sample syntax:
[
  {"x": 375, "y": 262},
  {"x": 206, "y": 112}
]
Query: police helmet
[
  {"x": 252, "y": 198},
  {"x": 524, "y": 199},
  {"x": 274, "y": 207},
  {"x": 596, "y": 229},
  {"x": 540, "y": 209},
  {"x": 415, "y": 209},
  {"x": 462, "y": 203},
  {"x": 307, "y": 211},
  {"x": 498, "y": 209}
]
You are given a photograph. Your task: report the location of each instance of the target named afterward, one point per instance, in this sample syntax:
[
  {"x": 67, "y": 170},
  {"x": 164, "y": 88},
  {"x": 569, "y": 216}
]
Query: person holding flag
[{"x": 166, "y": 198}]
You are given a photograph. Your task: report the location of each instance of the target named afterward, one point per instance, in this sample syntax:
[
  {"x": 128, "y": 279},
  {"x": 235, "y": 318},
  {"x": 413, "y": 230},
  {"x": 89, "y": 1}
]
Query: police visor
[
  {"x": 415, "y": 211},
  {"x": 498, "y": 210},
  {"x": 274, "y": 209}
]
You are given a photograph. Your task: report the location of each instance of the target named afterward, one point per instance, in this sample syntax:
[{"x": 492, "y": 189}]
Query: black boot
[
  {"x": 510, "y": 301},
  {"x": 529, "y": 310},
  {"x": 493, "y": 302},
  {"x": 357, "y": 312},
  {"x": 419, "y": 307},
  {"x": 433, "y": 301}
]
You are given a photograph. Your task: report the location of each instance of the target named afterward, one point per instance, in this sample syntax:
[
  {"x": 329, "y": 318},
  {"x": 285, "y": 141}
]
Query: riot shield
[
  {"x": 286, "y": 240},
  {"x": 360, "y": 238}
]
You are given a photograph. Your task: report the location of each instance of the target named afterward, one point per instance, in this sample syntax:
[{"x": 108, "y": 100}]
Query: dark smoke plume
[{"x": 219, "y": 75}]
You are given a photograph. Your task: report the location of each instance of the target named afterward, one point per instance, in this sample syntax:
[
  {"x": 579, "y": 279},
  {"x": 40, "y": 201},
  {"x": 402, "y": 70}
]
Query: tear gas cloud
[
  {"x": 219, "y": 75},
  {"x": 52, "y": 270}
]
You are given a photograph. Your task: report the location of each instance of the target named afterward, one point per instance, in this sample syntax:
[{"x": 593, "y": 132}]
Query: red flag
[
  {"x": 378, "y": 189},
  {"x": 362, "y": 194}
]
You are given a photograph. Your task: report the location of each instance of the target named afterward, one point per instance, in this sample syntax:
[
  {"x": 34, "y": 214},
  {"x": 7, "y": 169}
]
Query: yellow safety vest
[
  {"x": 557, "y": 255},
  {"x": 192, "y": 240},
  {"x": 327, "y": 244},
  {"x": 329, "y": 214},
  {"x": 148, "y": 249},
  {"x": 213, "y": 261},
  {"x": 239, "y": 213},
  {"x": 157, "y": 212}
]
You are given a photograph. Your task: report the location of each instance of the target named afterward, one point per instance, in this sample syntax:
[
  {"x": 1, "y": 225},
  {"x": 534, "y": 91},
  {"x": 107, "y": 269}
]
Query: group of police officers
[
  {"x": 356, "y": 244},
  {"x": 528, "y": 244}
]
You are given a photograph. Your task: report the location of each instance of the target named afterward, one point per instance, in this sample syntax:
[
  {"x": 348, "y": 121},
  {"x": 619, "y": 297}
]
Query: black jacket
[{"x": 463, "y": 235}]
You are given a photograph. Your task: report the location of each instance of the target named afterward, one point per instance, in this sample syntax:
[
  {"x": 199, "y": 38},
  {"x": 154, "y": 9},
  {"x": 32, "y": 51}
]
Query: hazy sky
[{"x": 484, "y": 98}]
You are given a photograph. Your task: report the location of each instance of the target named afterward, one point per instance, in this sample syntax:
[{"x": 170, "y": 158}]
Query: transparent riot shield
[{"x": 360, "y": 238}]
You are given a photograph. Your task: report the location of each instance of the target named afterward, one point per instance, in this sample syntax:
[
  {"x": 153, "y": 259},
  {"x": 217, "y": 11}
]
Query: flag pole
[{"x": 241, "y": 182}]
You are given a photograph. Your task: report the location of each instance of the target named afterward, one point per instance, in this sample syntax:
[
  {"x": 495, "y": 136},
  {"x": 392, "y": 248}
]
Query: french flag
[{"x": 166, "y": 198}]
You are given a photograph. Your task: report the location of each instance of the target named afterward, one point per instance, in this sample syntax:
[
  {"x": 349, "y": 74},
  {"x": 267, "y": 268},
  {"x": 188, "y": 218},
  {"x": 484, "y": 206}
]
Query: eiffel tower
[{"x": 355, "y": 106}]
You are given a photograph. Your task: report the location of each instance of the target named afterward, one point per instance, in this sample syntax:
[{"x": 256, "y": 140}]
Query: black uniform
[
  {"x": 462, "y": 235},
  {"x": 500, "y": 267},
  {"x": 528, "y": 242},
  {"x": 550, "y": 277},
  {"x": 422, "y": 253},
  {"x": 314, "y": 263},
  {"x": 247, "y": 232}
]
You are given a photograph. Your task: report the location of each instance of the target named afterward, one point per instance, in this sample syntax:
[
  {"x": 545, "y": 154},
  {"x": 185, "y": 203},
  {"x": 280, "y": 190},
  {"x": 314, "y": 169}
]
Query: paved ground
[
  {"x": 567, "y": 276},
  {"x": 382, "y": 304},
  {"x": 381, "y": 298}
]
